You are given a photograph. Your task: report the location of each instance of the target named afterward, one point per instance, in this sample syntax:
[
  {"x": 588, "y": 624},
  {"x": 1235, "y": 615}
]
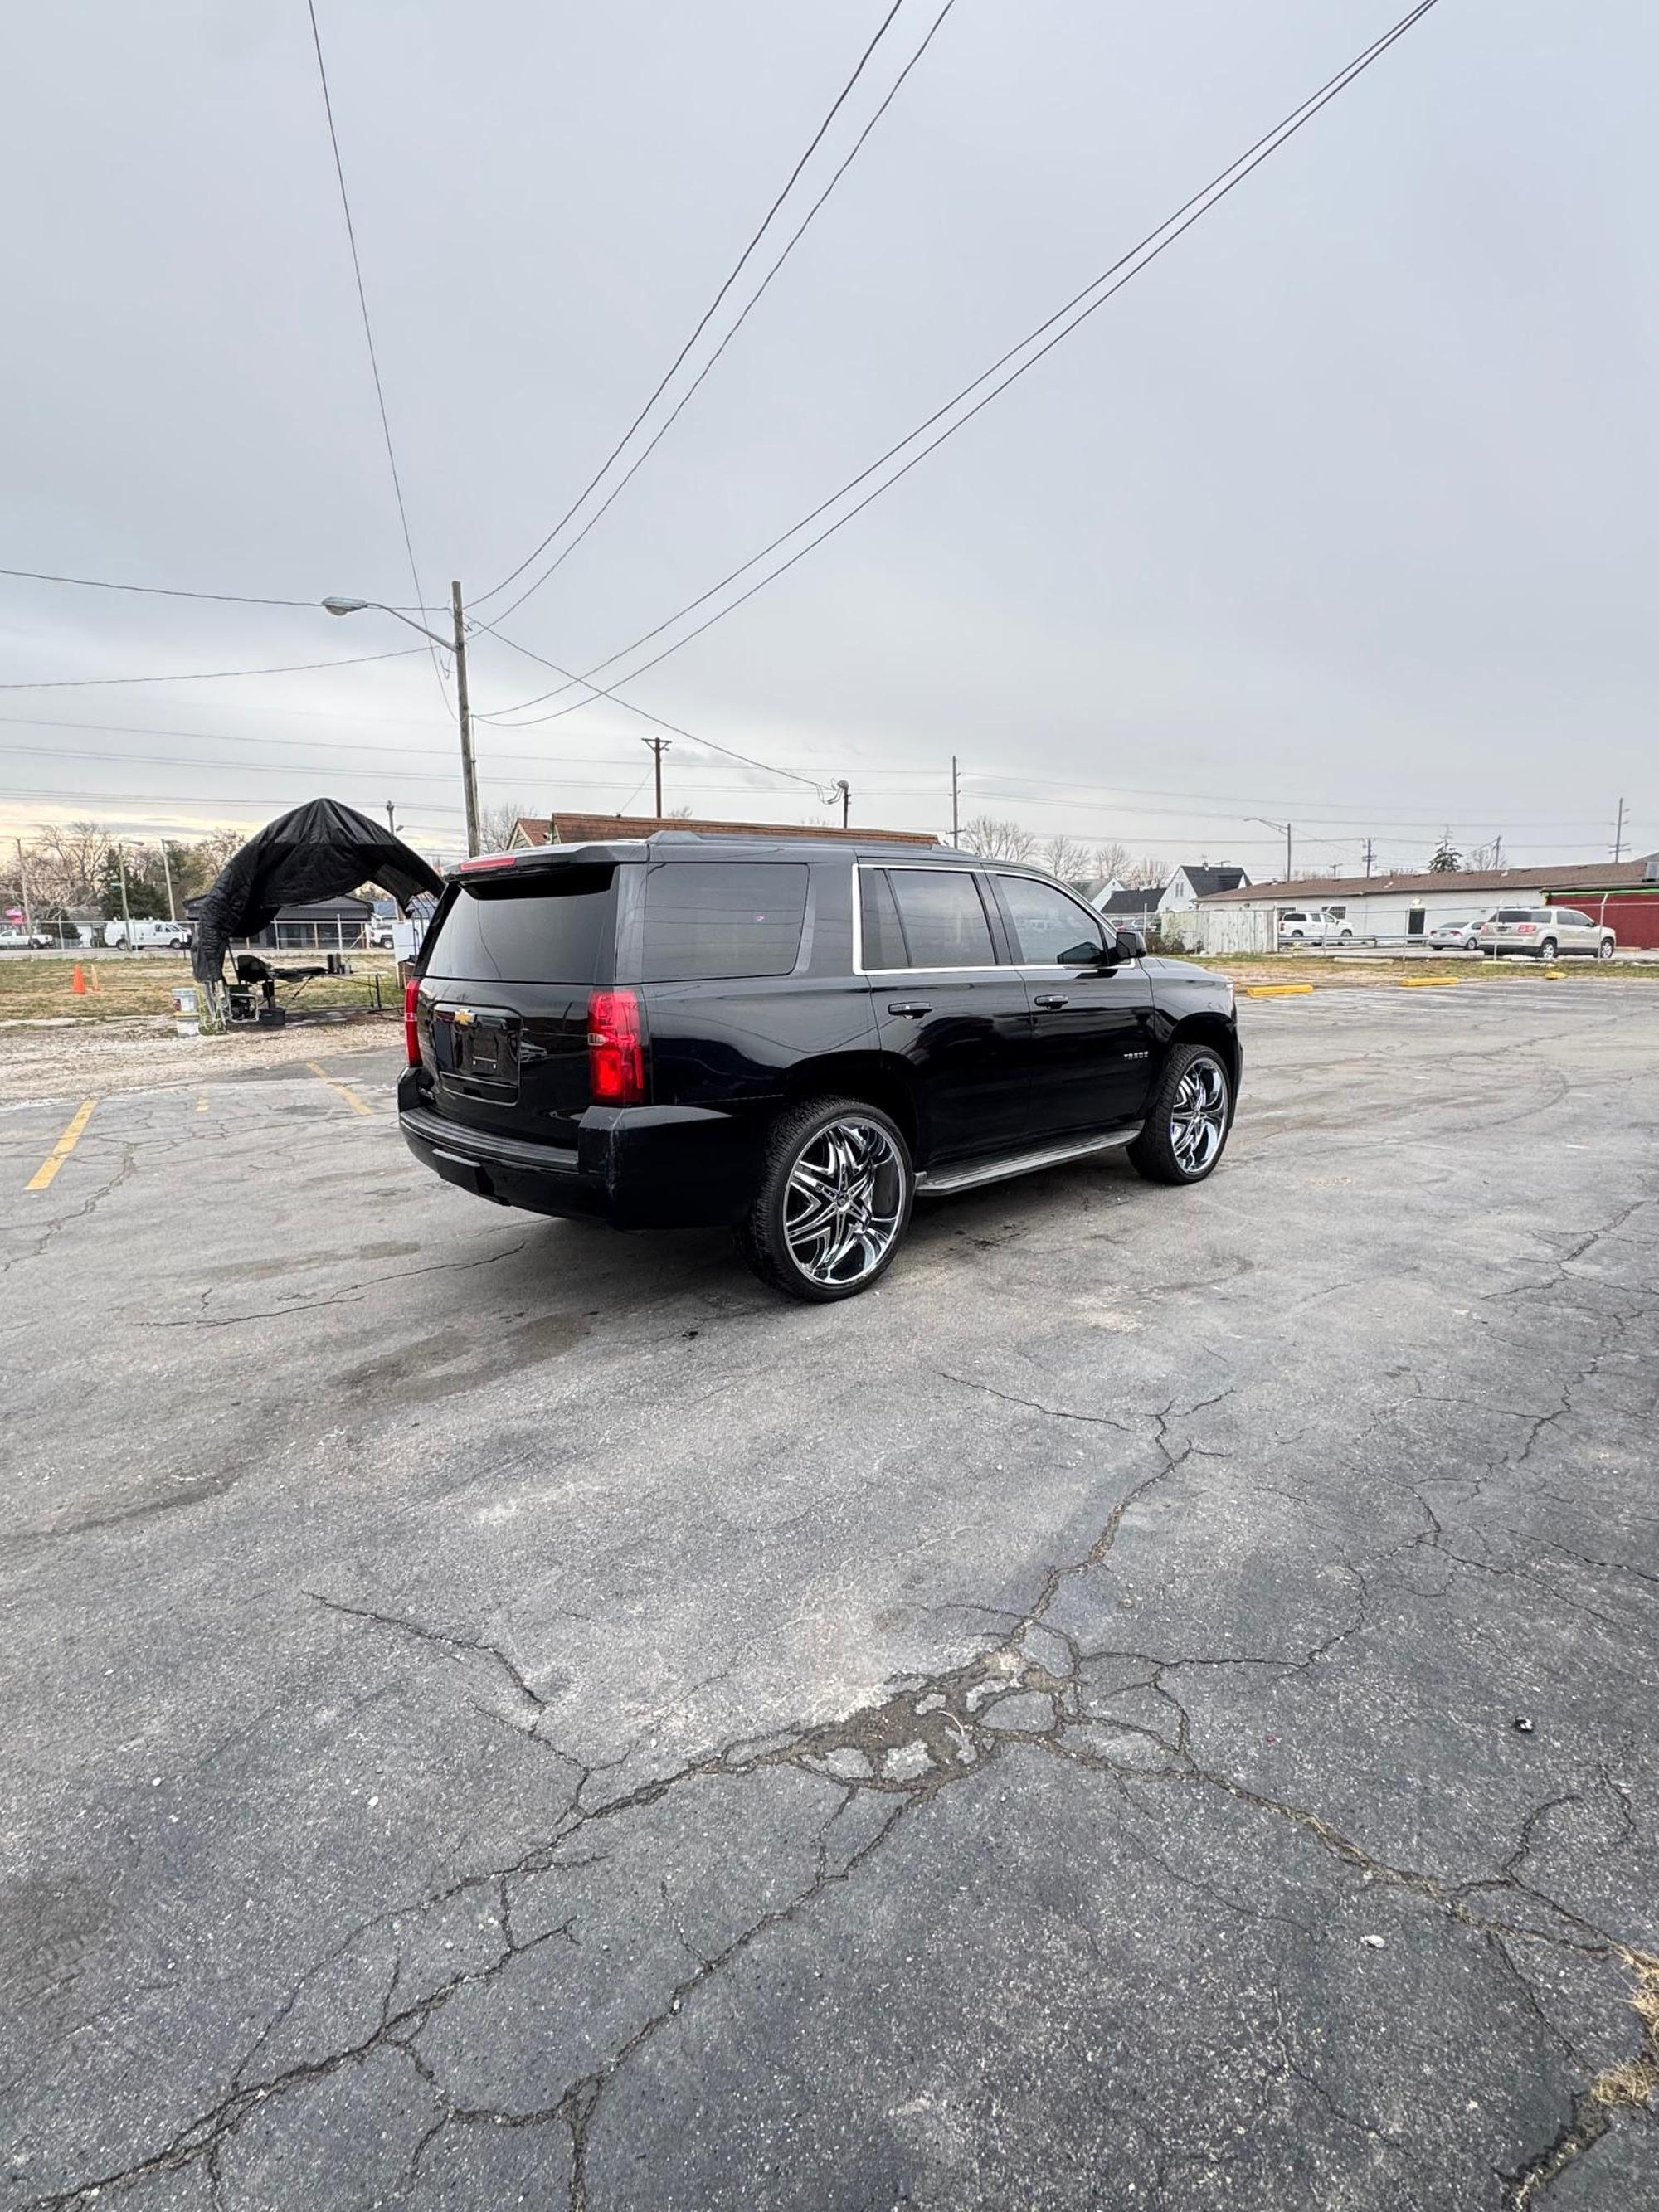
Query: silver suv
[{"x": 1544, "y": 933}]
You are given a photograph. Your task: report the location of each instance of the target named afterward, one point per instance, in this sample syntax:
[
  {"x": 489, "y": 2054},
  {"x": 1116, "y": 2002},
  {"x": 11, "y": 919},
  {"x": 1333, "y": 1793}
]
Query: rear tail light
[
  {"x": 412, "y": 1025},
  {"x": 488, "y": 860},
  {"x": 616, "y": 1049},
  {"x": 1526, "y": 929}
]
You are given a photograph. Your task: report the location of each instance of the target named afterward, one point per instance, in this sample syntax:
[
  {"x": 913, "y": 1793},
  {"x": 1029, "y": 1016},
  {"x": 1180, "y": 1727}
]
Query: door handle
[
  {"x": 1049, "y": 1002},
  {"x": 915, "y": 1007}
]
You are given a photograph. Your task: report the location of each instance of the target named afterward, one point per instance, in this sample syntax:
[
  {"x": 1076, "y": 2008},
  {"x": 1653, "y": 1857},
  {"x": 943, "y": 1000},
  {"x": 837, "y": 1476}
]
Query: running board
[{"x": 1018, "y": 1164}]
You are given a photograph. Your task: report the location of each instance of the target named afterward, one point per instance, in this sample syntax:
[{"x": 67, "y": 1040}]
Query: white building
[
  {"x": 1197, "y": 880},
  {"x": 1406, "y": 908}
]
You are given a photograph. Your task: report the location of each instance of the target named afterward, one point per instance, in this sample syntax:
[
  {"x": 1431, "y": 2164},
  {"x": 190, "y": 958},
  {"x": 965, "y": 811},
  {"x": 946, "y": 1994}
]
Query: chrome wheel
[
  {"x": 843, "y": 1203},
  {"x": 1604, "y": 949},
  {"x": 1198, "y": 1119}
]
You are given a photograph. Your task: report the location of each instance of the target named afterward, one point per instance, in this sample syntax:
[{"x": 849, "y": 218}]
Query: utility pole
[
  {"x": 166, "y": 870},
  {"x": 659, "y": 747},
  {"x": 457, "y": 645},
  {"x": 390, "y": 823},
  {"x": 23, "y": 885},
  {"x": 1368, "y": 855},
  {"x": 126, "y": 911},
  {"x": 1619, "y": 833},
  {"x": 844, "y": 790},
  {"x": 956, "y": 825},
  {"x": 469, "y": 772},
  {"x": 1286, "y": 828}
]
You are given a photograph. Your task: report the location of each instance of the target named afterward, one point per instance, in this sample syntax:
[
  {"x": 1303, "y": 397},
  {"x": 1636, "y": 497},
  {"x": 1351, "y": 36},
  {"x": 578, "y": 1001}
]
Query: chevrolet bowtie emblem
[{"x": 462, "y": 1016}]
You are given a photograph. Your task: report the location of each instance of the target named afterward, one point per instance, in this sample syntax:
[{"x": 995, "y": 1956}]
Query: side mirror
[{"x": 1131, "y": 945}]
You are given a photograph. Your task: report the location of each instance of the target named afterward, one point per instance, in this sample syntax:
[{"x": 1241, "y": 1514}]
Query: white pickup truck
[{"x": 1315, "y": 925}]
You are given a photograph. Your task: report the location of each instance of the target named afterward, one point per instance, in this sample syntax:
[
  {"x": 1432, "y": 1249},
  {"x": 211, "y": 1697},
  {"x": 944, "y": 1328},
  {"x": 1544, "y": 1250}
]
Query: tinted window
[
  {"x": 944, "y": 924},
  {"x": 879, "y": 922},
  {"x": 1047, "y": 926},
  {"x": 537, "y": 924},
  {"x": 738, "y": 919},
  {"x": 1514, "y": 913},
  {"x": 1571, "y": 914}
]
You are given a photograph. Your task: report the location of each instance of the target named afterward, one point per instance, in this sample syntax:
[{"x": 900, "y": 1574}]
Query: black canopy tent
[{"x": 320, "y": 849}]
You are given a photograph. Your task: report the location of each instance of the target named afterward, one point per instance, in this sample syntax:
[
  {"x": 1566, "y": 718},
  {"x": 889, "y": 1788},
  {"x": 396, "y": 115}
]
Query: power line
[
  {"x": 212, "y": 675},
  {"x": 754, "y": 301},
  {"x": 736, "y": 270},
  {"x": 1195, "y": 805},
  {"x": 1124, "y": 270},
  {"x": 156, "y": 591},
  {"x": 766, "y": 767},
  {"x": 368, "y": 328}
]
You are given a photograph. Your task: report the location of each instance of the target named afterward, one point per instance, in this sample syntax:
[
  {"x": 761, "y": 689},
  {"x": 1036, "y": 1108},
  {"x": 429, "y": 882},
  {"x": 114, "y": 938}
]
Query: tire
[
  {"x": 1160, "y": 1153},
  {"x": 820, "y": 1156},
  {"x": 1346, "y": 937},
  {"x": 1546, "y": 951},
  {"x": 1606, "y": 948}
]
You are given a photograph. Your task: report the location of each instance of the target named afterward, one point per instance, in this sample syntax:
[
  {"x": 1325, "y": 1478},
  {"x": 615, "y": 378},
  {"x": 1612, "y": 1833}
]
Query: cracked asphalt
[{"x": 1154, "y": 1707}]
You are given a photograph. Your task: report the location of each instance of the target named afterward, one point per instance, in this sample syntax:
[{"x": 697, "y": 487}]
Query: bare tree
[
  {"x": 1072, "y": 862},
  {"x": 497, "y": 823},
  {"x": 993, "y": 838},
  {"x": 1485, "y": 858},
  {"x": 70, "y": 862},
  {"x": 1145, "y": 874},
  {"x": 1112, "y": 860}
]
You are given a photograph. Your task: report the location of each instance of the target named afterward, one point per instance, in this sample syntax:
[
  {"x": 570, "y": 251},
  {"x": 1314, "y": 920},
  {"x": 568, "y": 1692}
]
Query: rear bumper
[{"x": 636, "y": 1167}]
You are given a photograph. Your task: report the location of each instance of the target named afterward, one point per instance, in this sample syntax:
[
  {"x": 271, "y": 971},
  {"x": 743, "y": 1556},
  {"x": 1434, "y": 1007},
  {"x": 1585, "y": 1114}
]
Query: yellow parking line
[
  {"x": 1278, "y": 990},
  {"x": 344, "y": 1089},
  {"x": 1429, "y": 983},
  {"x": 61, "y": 1151}
]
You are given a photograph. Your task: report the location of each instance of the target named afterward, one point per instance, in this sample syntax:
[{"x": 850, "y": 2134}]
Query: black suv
[{"x": 796, "y": 1039}]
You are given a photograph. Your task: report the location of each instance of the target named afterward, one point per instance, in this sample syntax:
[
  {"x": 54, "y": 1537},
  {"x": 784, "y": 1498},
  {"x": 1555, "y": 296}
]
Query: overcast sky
[{"x": 1344, "y": 510}]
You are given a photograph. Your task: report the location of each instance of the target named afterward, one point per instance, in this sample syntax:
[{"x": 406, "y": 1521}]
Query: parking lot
[{"x": 1156, "y": 1706}]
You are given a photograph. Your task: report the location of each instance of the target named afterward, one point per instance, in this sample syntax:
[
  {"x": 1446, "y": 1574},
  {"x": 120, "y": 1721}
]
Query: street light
[
  {"x": 457, "y": 645},
  {"x": 1284, "y": 828}
]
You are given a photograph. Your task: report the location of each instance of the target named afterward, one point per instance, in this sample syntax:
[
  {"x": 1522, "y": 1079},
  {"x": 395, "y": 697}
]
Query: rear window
[
  {"x": 723, "y": 919},
  {"x": 1514, "y": 913},
  {"x": 538, "y": 925}
]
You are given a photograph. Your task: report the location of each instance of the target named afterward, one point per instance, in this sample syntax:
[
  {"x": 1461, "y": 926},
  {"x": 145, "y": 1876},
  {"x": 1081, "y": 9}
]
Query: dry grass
[
  {"x": 1302, "y": 967},
  {"x": 1636, "y": 2081},
  {"x": 39, "y": 988}
]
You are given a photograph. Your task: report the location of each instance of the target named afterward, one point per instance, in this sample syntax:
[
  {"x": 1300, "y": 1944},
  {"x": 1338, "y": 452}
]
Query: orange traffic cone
[{"x": 79, "y": 983}]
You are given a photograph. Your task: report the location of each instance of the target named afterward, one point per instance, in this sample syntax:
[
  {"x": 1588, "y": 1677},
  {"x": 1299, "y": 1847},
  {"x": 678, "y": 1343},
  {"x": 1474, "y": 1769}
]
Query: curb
[
  {"x": 1277, "y": 990},
  {"x": 1429, "y": 983}
]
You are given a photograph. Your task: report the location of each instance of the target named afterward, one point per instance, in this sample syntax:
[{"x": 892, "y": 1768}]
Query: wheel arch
[
  {"x": 1213, "y": 1030},
  {"x": 878, "y": 1078}
]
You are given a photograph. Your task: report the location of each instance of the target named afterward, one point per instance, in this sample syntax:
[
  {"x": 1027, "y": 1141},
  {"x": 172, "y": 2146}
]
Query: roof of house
[
  {"x": 1206, "y": 880},
  {"x": 598, "y": 828},
  {"x": 1126, "y": 902},
  {"x": 1579, "y": 876},
  {"x": 345, "y": 904}
]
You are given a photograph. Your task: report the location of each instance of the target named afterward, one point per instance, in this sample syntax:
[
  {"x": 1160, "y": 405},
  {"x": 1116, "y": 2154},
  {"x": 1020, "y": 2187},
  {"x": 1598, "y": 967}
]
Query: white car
[
  {"x": 24, "y": 941},
  {"x": 1457, "y": 936}
]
